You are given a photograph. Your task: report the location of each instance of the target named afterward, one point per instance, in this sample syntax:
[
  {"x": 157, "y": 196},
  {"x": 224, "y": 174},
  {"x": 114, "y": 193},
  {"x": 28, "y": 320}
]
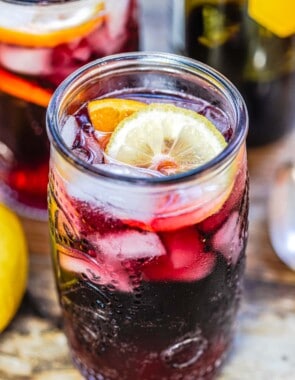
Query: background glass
[{"x": 41, "y": 42}]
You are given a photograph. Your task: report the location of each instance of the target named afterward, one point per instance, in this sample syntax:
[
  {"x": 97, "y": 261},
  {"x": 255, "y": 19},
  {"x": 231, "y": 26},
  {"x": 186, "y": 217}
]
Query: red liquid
[
  {"x": 24, "y": 169},
  {"x": 141, "y": 302}
]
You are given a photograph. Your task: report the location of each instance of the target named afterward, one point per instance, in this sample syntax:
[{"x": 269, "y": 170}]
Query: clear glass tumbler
[{"x": 149, "y": 269}]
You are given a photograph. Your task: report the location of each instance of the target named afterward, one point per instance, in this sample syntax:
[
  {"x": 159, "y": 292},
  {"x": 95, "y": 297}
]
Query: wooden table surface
[{"x": 34, "y": 347}]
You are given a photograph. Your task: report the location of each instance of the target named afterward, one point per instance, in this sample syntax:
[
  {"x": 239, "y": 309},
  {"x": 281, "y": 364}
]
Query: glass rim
[{"x": 149, "y": 57}]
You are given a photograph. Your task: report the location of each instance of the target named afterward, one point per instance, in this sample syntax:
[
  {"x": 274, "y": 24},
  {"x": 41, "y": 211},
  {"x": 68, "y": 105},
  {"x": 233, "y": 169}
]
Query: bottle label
[{"x": 277, "y": 16}]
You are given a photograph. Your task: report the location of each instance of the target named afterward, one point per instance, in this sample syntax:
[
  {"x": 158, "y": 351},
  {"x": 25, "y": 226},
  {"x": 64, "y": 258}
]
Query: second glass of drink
[{"x": 41, "y": 42}]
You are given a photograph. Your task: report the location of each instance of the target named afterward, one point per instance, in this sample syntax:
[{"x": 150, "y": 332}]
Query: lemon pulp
[{"x": 165, "y": 138}]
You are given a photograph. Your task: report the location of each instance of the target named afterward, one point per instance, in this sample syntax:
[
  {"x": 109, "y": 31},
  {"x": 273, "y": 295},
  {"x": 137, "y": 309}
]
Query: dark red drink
[
  {"x": 40, "y": 44},
  {"x": 148, "y": 266}
]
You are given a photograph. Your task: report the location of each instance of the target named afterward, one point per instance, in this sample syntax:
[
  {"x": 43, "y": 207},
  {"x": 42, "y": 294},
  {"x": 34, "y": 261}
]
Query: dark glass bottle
[{"x": 259, "y": 62}]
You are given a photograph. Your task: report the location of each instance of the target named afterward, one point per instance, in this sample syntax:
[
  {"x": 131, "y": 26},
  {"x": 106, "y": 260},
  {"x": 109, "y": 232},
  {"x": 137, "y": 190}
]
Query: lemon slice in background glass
[
  {"x": 165, "y": 138},
  {"x": 13, "y": 265},
  {"x": 48, "y": 25}
]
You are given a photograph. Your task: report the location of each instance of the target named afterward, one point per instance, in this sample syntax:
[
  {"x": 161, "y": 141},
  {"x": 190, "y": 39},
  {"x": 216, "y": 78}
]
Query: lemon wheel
[{"x": 165, "y": 138}]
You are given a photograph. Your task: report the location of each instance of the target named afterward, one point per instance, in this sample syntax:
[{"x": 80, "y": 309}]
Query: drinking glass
[
  {"x": 148, "y": 269},
  {"x": 41, "y": 42}
]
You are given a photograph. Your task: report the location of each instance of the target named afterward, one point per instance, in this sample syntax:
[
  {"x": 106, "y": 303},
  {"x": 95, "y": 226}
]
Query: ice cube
[
  {"x": 69, "y": 131},
  {"x": 218, "y": 118},
  {"x": 103, "y": 273},
  {"x": 186, "y": 259},
  {"x": 82, "y": 187},
  {"x": 29, "y": 61},
  {"x": 130, "y": 244},
  {"x": 184, "y": 246},
  {"x": 128, "y": 171},
  {"x": 228, "y": 240}
]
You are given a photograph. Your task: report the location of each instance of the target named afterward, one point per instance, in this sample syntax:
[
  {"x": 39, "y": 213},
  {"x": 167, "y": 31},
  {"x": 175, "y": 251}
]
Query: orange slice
[
  {"x": 49, "y": 39},
  {"x": 106, "y": 114},
  {"x": 20, "y": 88}
]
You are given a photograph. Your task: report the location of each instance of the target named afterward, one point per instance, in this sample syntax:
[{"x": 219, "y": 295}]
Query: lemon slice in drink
[
  {"x": 173, "y": 140},
  {"x": 165, "y": 138}
]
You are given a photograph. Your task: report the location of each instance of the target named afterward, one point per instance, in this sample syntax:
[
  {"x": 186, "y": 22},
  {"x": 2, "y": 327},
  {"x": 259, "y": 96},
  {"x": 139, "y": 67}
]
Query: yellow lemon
[
  {"x": 165, "y": 138},
  {"x": 173, "y": 140},
  {"x": 13, "y": 265}
]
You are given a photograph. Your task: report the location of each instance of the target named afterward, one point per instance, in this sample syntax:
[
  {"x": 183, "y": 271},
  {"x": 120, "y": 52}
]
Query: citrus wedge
[
  {"x": 106, "y": 114},
  {"x": 21, "y": 88},
  {"x": 165, "y": 138},
  {"x": 172, "y": 140},
  {"x": 37, "y": 30}
]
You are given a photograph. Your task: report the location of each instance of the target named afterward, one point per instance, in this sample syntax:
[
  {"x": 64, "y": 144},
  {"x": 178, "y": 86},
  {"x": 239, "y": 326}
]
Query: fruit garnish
[
  {"x": 49, "y": 26},
  {"x": 106, "y": 114},
  {"x": 13, "y": 265},
  {"x": 20, "y": 88},
  {"x": 165, "y": 138},
  {"x": 170, "y": 140}
]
